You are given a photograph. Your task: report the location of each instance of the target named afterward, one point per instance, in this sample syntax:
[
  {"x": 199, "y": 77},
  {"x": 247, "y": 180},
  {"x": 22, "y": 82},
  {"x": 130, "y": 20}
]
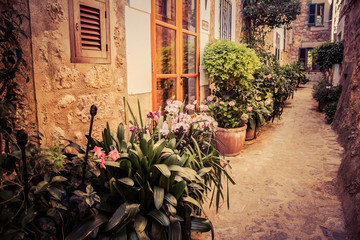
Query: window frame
[
  {"x": 79, "y": 54},
  {"x": 314, "y": 9}
]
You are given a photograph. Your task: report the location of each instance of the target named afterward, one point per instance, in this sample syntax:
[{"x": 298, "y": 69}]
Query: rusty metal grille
[{"x": 225, "y": 19}]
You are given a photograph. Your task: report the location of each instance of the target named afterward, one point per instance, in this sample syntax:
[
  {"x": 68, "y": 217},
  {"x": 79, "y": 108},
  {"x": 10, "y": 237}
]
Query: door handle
[{"x": 182, "y": 78}]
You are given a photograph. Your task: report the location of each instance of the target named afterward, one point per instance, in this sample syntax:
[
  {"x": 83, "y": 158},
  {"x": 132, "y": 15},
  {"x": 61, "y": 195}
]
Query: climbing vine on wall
[{"x": 263, "y": 15}]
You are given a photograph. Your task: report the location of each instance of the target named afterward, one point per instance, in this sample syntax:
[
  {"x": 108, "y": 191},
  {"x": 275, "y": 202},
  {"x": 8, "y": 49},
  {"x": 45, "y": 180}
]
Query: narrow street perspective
[{"x": 286, "y": 182}]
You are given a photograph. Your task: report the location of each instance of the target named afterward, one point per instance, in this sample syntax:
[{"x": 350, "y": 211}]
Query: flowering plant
[
  {"x": 258, "y": 111},
  {"x": 228, "y": 114}
]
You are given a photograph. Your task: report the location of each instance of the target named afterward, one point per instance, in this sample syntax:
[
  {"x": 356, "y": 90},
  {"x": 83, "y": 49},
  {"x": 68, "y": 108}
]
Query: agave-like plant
[{"x": 151, "y": 188}]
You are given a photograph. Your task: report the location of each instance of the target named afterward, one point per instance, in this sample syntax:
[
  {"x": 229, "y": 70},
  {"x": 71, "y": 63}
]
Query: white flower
[{"x": 244, "y": 117}]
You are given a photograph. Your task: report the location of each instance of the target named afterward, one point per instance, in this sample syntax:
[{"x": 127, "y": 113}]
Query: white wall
[
  {"x": 138, "y": 46},
  {"x": 204, "y": 37}
]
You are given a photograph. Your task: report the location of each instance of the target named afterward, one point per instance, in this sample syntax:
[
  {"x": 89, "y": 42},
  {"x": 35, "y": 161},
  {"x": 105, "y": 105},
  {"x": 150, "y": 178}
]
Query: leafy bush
[
  {"x": 230, "y": 66},
  {"x": 327, "y": 54},
  {"x": 330, "y": 110}
]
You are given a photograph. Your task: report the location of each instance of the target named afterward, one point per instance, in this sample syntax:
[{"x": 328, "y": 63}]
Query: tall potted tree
[{"x": 230, "y": 66}]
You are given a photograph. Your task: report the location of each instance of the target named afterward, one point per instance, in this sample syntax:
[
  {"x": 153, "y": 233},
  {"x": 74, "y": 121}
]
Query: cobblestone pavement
[{"x": 285, "y": 180}]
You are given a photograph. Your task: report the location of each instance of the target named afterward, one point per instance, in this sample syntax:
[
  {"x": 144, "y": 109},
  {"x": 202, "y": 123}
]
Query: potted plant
[
  {"x": 258, "y": 111},
  {"x": 230, "y": 66}
]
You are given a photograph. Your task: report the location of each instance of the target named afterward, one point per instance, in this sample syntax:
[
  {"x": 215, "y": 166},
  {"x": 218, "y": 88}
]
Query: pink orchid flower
[
  {"x": 132, "y": 128},
  {"x": 103, "y": 163},
  {"x": 114, "y": 155},
  {"x": 232, "y": 103},
  {"x": 98, "y": 152},
  {"x": 268, "y": 76},
  {"x": 248, "y": 109}
]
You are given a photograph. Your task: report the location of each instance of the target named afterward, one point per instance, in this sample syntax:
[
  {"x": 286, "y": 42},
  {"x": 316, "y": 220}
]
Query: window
[
  {"x": 89, "y": 31},
  {"x": 277, "y": 46},
  {"x": 305, "y": 58},
  {"x": 316, "y": 14},
  {"x": 225, "y": 19}
]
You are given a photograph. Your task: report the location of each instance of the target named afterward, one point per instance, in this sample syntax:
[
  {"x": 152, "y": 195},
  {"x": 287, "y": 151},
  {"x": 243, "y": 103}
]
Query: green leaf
[
  {"x": 120, "y": 133},
  {"x": 163, "y": 169},
  {"x": 160, "y": 217},
  {"x": 112, "y": 163},
  {"x": 158, "y": 197},
  {"x": 175, "y": 230},
  {"x": 87, "y": 227},
  {"x": 191, "y": 200},
  {"x": 29, "y": 217},
  {"x": 204, "y": 171},
  {"x": 55, "y": 192},
  {"x": 41, "y": 186},
  {"x": 58, "y": 179},
  {"x": 175, "y": 168},
  {"x": 127, "y": 181},
  {"x": 140, "y": 223},
  {"x": 201, "y": 225},
  {"x": 178, "y": 189},
  {"x": 171, "y": 199},
  {"x": 122, "y": 215}
]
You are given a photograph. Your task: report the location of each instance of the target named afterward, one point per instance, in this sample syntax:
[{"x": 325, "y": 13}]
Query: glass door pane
[
  {"x": 189, "y": 15},
  {"x": 165, "y": 10},
  {"x": 189, "y": 85},
  {"x": 189, "y": 54},
  {"x": 165, "y": 90},
  {"x": 165, "y": 50}
]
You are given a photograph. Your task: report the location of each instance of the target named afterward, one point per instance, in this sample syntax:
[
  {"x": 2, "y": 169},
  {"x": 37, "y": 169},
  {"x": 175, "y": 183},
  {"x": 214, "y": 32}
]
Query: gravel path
[{"x": 285, "y": 180}]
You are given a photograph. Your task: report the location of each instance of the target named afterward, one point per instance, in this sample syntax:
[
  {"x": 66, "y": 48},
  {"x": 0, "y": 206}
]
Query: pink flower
[
  {"x": 210, "y": 98},
  {"x": 203, "y": 107},
  {"x": 268, "y": 76},
  {"x": 232, "y": 103},
  {"x": 114, "y": 155},
  {"x": 248, "y": 109},
  {"x": 132, "y": 128},
  {"x": 102, "y": 164},
  {"x": 190, "y": 107},
  {"x": 150, "y": 115},
  {"x": 98, "y": 152}
]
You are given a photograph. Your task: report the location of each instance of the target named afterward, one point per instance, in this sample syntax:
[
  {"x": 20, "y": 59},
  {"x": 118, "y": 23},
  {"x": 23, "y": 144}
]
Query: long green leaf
[
  {"x": 160, "y": 217},
  {"x": 140, "y": 223},
  {"x": 178, "y": 189},
  {"x": 201, "y": 225},
  {"x": 175, "y": 230},
  {"x": 125, "y": 212},
  {"x": 140, "y": 116},
  {"x": 158, "y": 197},
  {"x": 171, "y": 199},
  {"x": 87, "y": 227},
  {"x": 127, "y": 181},
  {"x": 191, "y": 200},
  {"x": 163, "y": 169}
]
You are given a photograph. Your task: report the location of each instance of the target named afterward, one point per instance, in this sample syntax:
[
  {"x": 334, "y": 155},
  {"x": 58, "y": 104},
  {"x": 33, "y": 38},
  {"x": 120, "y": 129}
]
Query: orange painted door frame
[{"x": 179, "y": 74}]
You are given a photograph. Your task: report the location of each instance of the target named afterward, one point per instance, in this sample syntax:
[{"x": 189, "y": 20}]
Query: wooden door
[{"x": 175, "y": 51}]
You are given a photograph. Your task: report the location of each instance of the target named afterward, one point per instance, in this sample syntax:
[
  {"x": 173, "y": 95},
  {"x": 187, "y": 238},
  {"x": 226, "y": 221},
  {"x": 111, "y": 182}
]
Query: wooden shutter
[
  {"x": 90, "y": 31},
  {"x": 312, "y": 13}
]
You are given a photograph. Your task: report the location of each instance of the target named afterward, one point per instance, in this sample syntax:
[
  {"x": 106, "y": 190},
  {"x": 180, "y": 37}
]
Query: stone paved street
[{"x": 285, "y": 180}]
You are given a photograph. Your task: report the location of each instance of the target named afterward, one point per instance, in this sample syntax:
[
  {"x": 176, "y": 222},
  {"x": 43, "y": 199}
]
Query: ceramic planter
[
  {"x": 230, "y": 141},
  {"x": 253, "y": 133}
]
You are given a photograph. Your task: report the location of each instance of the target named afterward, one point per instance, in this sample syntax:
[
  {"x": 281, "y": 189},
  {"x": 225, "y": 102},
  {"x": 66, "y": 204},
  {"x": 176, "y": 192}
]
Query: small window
[
  {"x": 89, "y": 31},
  {"x": 225, "y": 19},
  {"x": 316, "y": 14}
]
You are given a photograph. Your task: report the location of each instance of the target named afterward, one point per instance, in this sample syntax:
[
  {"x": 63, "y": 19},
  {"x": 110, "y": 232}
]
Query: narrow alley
[{"x": 286, "y": 182}]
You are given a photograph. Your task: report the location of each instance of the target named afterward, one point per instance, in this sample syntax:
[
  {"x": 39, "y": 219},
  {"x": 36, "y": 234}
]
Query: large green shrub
[
  {"x": 230, "y": 66},
  {"x": 327, "y": 54}
]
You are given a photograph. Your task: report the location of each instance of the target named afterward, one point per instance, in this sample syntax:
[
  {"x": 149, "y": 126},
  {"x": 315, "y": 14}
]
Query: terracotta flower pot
[
  {"x": 250, "y": 134},
  {"x": 230, "y": 141}
]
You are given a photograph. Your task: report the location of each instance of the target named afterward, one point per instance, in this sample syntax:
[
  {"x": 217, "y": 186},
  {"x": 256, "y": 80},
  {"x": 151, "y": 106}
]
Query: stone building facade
[
  {"x": 311, "y": 28},
  {"x": 347, "y": 118},
  {"x": 66, "y": 78}
]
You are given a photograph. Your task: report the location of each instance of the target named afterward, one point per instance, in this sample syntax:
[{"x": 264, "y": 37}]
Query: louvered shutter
[
  {"x": 312, "y": 13},
  {"x": 91, "y": 31}
]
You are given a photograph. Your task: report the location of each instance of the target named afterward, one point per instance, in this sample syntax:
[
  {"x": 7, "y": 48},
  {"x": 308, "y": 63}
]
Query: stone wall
[
  {"x": 347, "y": 119},
  {"x": 64, "y": 90},
  {"x": 305, "y": 36}
]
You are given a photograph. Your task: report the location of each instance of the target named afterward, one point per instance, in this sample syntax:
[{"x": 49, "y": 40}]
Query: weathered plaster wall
[
  {"x": 347, "y": 119},
  {"x": 305, "y": 36},
  {"x": 27, "y": 112},
  {"x": 65, "y": 90}
]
